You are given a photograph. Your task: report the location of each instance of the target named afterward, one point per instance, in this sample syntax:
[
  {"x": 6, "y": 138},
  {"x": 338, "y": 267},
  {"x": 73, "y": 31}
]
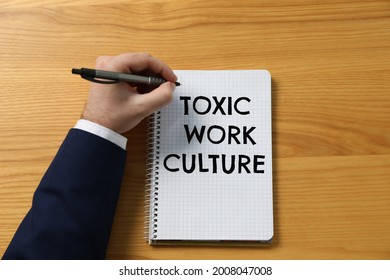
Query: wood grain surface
[{"x": 330, "y": 66}]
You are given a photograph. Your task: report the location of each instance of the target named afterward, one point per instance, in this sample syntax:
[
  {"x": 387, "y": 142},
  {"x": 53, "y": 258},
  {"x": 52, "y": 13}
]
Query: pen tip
[{"x": 177, "y": 83}]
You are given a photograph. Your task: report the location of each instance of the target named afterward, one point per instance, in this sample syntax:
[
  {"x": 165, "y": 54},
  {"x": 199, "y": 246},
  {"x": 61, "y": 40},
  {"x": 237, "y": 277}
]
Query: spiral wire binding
[{"x": 152, "y": 173}]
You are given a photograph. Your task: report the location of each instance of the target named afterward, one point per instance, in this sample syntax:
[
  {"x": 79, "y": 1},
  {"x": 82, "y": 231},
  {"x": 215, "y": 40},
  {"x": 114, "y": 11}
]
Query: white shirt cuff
[{"x": 103, "y": 132}]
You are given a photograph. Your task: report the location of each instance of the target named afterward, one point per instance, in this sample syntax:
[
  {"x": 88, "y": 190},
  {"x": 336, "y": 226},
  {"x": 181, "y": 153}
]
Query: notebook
[{"x": 210, "y": 160}]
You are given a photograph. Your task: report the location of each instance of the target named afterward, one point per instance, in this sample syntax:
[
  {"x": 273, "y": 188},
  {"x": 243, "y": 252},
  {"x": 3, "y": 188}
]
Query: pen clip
[{"x": 94, "y": 80}]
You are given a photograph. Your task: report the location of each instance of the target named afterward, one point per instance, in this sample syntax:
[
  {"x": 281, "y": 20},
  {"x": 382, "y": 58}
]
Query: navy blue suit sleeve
[{"x": 74, "y": 205}]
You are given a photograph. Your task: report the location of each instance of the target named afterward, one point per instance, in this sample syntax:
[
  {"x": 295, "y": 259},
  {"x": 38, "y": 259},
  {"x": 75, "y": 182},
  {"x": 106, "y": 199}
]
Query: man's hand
[{"x": 120, "y": 107}]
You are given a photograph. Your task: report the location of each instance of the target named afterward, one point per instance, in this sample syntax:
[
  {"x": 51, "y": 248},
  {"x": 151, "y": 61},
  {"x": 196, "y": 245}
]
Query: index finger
[{"x": 137, "y": 62}]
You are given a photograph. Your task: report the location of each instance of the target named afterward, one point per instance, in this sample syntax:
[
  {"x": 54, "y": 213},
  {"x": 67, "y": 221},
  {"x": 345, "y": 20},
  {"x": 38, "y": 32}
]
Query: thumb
[{"x": 158, "y": 98}]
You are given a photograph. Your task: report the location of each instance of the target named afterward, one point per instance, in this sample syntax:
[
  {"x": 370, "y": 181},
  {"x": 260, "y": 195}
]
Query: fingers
[
  {"x": 157, "y": 98},
  {"x": 120, "y": 107},
  {"x": 137, "y": 62}
]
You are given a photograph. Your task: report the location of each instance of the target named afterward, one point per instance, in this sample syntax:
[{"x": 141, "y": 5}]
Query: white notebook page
[{"x": 212, "y": 205}]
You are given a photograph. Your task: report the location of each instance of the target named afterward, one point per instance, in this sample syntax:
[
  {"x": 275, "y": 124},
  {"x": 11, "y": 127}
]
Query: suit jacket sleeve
[{"x": 74, "y": 205}]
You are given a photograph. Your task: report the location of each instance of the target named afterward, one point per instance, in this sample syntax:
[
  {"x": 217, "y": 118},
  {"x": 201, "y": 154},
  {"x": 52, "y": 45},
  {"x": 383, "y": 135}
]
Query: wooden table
[{"x": 330, "y": 65}]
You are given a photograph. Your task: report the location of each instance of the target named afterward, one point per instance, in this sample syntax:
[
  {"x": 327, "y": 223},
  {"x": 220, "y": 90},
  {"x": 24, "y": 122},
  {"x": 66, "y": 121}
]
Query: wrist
[{"x": 102, "y": 131}]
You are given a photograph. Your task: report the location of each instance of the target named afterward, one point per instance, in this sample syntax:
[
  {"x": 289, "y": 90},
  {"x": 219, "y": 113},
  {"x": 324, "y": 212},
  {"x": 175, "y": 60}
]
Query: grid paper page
[{"x": 207, "y": 203}]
